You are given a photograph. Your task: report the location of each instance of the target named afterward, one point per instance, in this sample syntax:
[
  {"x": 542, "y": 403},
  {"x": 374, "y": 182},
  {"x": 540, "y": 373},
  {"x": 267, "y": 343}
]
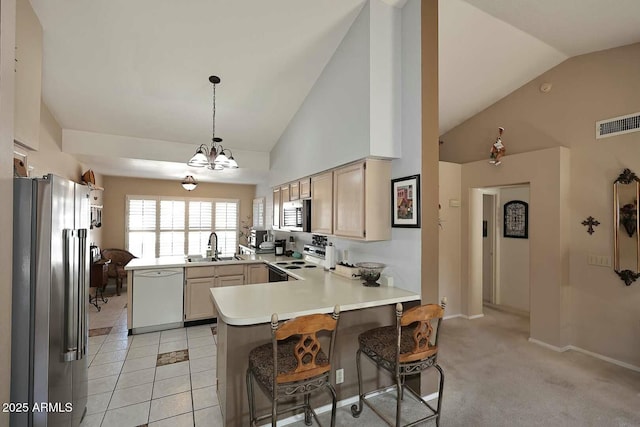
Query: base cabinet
[
  {"x": 198, "y": 303},
  {"x": 257, "y": 273}
]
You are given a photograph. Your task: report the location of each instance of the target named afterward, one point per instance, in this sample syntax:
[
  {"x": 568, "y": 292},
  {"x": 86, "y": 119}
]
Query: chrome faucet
[{"x": 215, "y": 253}]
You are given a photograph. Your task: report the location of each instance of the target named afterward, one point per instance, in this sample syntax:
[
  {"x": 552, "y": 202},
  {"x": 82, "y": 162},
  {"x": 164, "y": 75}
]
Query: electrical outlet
[{"x": 339, "y": 376}]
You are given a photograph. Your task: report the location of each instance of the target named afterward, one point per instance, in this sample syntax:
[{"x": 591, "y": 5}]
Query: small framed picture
[
  {"x": 405, "y": 202},
  {"x": 516, "y": 219}
]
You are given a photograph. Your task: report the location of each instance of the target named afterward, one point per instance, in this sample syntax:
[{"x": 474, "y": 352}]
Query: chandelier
[{"x": 215, "y": 157}]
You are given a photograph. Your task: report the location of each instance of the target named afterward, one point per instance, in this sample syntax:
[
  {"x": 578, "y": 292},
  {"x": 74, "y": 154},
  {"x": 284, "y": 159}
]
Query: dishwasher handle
[{"x": 159, "y": 272}]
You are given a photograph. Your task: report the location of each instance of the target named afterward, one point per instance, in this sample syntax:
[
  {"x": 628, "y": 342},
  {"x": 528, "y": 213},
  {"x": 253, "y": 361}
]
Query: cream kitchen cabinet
[
  {"x": 197, "y": 299},
  {"x": 284, "y": 193},
  {"x": 322, "y": 203},
  {"x": 305, "y": 188},
  {"x": 198, "y": 303},
  {"x": 294, "y": 191},
  {"x": 276, "y": 208},
  {"x": 362, "y": 200},
  {"x": 257, "y": 273},
  {"x": 28, "y": 76},
  {"x": 230, "y": 275}
]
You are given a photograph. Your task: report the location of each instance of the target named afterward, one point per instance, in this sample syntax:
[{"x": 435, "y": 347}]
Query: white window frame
[{"x": 186, "y": 230}]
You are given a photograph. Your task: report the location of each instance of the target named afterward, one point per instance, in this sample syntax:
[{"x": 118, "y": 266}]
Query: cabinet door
[
  {"x": 322, "y": 203},
  {"x": 235, "y": 280},
  {"x": 348, "y": 201},
  {"x": 276, "y": 208},
  {"x": 257, "y": 273},
  {"x": 294, "y": 191},
  {"x": 28, "y": 76},
  {"x": 198, "y": 303},
  {"x": 305, "y": 188},
  {"x": 284, "y": 193}
]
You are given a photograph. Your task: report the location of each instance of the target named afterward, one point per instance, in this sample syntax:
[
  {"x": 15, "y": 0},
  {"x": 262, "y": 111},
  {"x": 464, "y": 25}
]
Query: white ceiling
[{"x": 140, "y": 69}]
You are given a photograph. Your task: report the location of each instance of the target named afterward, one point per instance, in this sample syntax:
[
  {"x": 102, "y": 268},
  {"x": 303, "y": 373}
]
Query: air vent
[{"x": 618, "y": 126}]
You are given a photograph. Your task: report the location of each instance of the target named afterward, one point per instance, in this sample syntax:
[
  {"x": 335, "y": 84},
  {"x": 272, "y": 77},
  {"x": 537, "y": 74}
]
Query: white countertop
[
  {"x": 180, "y": 261},
  {"x": 317, "y": 291}
]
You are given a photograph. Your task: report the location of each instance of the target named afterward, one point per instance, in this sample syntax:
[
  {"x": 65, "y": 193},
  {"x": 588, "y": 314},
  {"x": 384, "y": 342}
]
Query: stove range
[{"x": 295, "y": 265}]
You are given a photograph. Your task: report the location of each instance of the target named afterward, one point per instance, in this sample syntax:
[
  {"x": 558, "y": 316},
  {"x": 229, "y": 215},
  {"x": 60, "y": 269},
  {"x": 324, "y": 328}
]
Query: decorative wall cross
[{"x": 591, "y": 222}]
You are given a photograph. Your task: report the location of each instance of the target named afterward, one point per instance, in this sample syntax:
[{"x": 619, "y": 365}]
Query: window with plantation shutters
[
  {"x": 200, "y": 225},
  {"x": 172, "y": 225},
  {"x": 141, "y": 227},
  {"x": 226, "y": 227},
  {"x": 158, "y": 226}
]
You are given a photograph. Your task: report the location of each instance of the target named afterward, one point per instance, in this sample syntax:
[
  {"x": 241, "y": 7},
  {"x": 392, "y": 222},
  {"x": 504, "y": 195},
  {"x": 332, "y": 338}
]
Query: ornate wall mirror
[{"x": 626, "y": 189}]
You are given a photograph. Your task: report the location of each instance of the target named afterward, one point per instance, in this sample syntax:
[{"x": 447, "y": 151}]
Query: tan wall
[
  {"x": 7, "y": 66},
  {"x": 117, "y": 189},
  {"x": 450, "y": 239},
  {"x": 548, "y": 236},
  {"x": 50, "y": 159},
  {"x": 585, "y": 89}
]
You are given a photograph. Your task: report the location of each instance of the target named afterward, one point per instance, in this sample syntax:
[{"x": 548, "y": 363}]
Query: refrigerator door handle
[
  {"x": 82, "y": 291},
  {"x": 70, "y": 250}
]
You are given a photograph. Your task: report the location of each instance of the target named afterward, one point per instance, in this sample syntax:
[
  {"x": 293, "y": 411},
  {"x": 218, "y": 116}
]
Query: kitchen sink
[
  {"x": 211, "y": 259},
  {"x": 229, "y": 258}
]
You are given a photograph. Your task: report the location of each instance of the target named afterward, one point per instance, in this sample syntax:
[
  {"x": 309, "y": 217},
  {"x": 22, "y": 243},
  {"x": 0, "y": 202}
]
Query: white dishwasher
[{"x": 158, "y": 299}]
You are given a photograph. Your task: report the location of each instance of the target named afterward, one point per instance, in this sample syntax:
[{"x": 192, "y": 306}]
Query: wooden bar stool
[
  {"x": 293, "y": 364},
  {"x": 403, "y": 350}
]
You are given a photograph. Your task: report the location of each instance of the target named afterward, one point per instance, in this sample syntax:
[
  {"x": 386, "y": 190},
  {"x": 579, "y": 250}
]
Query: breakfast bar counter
[{"x": 244, "y": 313}]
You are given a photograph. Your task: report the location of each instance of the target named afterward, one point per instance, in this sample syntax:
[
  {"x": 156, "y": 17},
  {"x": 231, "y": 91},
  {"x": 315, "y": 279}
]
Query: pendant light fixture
[
  {"x": 213, "y": 157},
  {"x": 189, "y": 183}
]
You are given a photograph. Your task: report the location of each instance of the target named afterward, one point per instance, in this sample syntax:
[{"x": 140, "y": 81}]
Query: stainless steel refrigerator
[{"x": 50, "y": 289}]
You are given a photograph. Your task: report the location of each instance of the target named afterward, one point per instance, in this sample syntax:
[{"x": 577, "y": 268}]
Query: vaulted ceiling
[{"x": 140, "y": 69}]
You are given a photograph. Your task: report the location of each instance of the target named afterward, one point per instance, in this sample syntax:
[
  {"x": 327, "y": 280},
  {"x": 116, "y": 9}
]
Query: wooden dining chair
[
  {"x": 408, "y": 348},
  {"x": 293, "y": 364}
]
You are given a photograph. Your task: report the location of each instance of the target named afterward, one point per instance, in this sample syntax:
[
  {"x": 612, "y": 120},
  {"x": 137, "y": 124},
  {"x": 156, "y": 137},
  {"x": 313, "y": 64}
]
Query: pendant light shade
[
  {"x": 214, "y": 157},
  {"x": 189, "y": 183}
]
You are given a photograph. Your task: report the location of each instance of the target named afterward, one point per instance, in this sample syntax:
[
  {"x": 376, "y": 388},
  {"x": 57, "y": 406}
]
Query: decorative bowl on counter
[{"x": 370, "y": 272}]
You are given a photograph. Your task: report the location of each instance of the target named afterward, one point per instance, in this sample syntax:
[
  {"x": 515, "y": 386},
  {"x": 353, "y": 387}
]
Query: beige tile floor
[{"x": 128, "y": 389}]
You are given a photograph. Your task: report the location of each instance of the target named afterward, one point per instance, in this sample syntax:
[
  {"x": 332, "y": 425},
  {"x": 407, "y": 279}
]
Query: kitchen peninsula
[{"x": 244, "y": 313}]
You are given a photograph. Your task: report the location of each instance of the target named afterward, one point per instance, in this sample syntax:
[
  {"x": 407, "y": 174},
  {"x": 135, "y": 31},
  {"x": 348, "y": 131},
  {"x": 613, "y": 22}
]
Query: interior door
[{"x": 488, "y": 248}]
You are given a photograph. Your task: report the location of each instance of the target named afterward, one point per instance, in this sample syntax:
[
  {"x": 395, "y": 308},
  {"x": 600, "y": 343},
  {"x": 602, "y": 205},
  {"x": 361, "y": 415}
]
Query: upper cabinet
[
  {"x": 352, "y": 201},
  {"x": 294, "y": 191},
  {"x": 362, "y": 200},
  {"x": 322, "y": 203},
  {"x": 305, "y": 188},
  {"x": 276, "y": 208},
  {"x": 284, "y": 193},
  {"x": 28, "y": 76}
]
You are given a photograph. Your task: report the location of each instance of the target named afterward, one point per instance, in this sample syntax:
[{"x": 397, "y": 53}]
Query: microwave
[{"x": 296, "y": 215}]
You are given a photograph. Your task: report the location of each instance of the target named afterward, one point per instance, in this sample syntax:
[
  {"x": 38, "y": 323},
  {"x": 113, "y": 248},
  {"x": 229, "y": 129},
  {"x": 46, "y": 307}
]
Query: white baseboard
[
  {"x": 453, "y": 316},
  {"x": 587, "y": 352},
  {"x": 348, "y": 401},
  {"x": 464, "y": 316},
  {"x": 549, "y": 346},
  {"x": 476, "y": 316}
]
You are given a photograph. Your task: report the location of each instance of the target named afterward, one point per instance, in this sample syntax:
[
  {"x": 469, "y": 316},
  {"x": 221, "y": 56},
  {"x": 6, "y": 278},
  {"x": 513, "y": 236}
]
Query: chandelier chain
[{"x": 213, "y": 126}]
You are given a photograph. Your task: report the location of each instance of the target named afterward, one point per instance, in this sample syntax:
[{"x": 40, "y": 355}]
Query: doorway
[{"x": 505, "y": 259}]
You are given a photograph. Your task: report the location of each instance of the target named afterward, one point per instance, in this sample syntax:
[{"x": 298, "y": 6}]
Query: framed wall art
[
  {"x": 405, "y": 199},
  {"x": 516, "y": 219}
]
